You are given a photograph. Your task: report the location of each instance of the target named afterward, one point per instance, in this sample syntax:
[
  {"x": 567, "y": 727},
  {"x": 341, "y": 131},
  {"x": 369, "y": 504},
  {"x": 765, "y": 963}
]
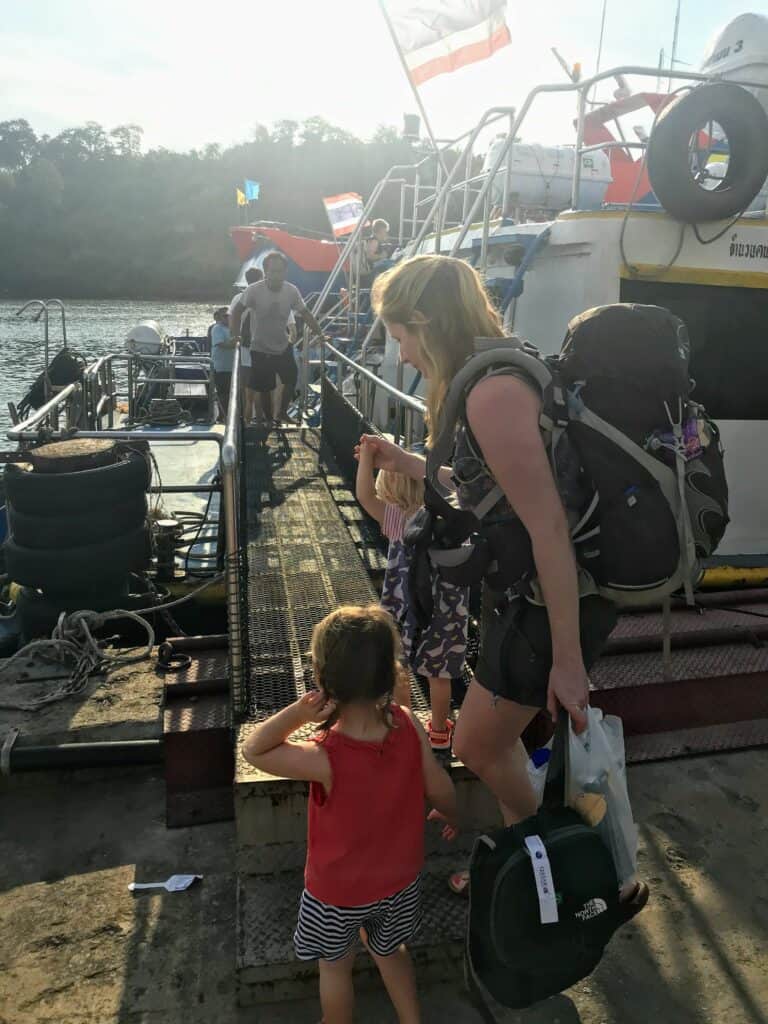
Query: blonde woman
[{"x": 531, "y": 657}]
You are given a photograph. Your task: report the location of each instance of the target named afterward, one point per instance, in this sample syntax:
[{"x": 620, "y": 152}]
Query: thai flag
[
  {"x": 435, "y": 36},
  {"x": 344, "y": 211}
]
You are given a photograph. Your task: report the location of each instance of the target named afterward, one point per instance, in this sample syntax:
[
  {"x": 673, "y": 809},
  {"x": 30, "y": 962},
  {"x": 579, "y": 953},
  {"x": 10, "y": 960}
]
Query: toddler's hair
[
  {"x": 398, "y": 489},
  {"x": 355, "y": 652}
]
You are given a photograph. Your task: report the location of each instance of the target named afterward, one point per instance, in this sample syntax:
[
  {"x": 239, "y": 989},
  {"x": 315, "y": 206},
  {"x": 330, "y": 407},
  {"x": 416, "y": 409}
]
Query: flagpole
[{"x": 414, "y": 88}]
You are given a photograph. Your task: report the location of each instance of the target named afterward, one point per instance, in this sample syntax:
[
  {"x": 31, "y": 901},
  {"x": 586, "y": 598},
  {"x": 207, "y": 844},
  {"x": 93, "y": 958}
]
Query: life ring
[{"x": 745, "y": 124}]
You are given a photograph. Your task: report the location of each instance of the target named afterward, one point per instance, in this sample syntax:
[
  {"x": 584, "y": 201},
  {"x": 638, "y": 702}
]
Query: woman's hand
[
  {"x": 569, "y": 688},
  {"x": 450, "y": 828},
  {"x": 314, "y": 706}
]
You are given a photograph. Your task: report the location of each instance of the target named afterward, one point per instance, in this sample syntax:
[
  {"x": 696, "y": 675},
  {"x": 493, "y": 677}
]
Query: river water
[{"x": 94, "y": 328}]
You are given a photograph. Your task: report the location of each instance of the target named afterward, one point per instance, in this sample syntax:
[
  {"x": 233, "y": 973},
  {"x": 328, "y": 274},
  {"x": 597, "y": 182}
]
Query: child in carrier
[
  {"x": 370, "y": 769},
  {"x": 439, "y": 651}
]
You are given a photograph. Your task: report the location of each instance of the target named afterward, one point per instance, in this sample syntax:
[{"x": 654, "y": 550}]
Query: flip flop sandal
[
  {"x": 637, "y": 901},
  {"x": 459, "y": 883}
]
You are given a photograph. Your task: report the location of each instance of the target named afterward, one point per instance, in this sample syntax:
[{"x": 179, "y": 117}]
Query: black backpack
[
  {"x": 655, "y": 497},
  {"x": 552, "y": 867}
]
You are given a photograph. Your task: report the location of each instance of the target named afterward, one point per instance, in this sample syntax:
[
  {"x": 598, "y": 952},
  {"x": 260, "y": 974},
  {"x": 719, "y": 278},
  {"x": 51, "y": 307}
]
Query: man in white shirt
[
  {"x": 252, "y": 276},
  {"x": 270, "y": 304}
]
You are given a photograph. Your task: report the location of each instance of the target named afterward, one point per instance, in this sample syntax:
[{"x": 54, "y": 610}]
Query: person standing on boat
[
  {"x": 222, "y": 357},
  {"x": 252, "y": 275},
  {"x": 531, "y": 657},
  {"x": 270, "y": 303},
  {"x": 377, "y": 250}
]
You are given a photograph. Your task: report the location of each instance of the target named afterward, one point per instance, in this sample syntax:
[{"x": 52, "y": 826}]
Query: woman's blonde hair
[
  {"x": 443, "y": 301},
  {"x": 355, "y": 657},
  {"x": 400, "y": 490}
]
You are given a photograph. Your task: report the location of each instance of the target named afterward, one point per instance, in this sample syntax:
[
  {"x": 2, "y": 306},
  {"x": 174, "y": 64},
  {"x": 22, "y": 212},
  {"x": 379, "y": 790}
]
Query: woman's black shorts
[
  {"x": 266, "y": 368},
  {"x": 515, "y": 656}
]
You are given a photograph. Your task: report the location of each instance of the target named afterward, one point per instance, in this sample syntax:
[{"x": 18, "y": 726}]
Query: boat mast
[
  {"x": 599, "y": 51},
  {"x": 674, "y": 43},
  {"x": 414, "y": 89}
]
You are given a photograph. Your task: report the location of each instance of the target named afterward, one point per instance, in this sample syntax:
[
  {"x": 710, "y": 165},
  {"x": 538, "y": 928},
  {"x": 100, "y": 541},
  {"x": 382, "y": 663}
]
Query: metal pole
[
  {"x": 47, "y": 380},
  {"x": 576, "y": 188},
  {"x": 416, "y": 191},
  {"x": 230, "y": 497},
  {"x": 508, "y": 169},
  {"x": 400, "y": 233},
  {"x": 467, "y": 176},
  {"x": 486, "y": 228},
  {"x": 414, "y": 88},
  {"x": 440, "y": 213}
]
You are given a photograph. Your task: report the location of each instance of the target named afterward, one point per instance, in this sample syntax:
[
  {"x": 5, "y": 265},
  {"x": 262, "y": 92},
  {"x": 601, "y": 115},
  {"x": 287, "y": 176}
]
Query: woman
[{"x": 531, "y": 657}]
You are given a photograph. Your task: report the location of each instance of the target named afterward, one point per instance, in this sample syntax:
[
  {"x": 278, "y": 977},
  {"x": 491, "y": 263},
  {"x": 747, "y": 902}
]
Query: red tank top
[{"x": 366, "y": 840}]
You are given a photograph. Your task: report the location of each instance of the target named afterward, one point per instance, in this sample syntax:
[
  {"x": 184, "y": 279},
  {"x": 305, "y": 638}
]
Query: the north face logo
[{"x": 591, "y": 909}]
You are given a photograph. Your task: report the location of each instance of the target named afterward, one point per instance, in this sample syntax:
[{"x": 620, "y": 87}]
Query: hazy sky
[{"x": 193, "y": 73}]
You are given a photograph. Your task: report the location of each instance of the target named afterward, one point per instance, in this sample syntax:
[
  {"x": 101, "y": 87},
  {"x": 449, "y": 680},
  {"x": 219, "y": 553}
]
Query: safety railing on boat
[
  {"x": 42, "y": 306},
  {"x": 234, "y": 556},
  {"x": 61, "y": 413},
  {"x": 408, "y": 426},
  {"x": 477, "y": 188}
]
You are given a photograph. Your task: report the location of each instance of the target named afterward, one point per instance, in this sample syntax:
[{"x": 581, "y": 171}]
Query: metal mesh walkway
[{"x": 302, "y": 562}]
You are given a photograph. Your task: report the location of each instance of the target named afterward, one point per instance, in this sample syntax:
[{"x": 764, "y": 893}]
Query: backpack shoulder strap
[{"x": 489, "y": 354}]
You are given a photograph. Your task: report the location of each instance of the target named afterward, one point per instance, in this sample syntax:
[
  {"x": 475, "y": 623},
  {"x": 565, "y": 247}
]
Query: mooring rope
[{"x": 72, "y": 642}]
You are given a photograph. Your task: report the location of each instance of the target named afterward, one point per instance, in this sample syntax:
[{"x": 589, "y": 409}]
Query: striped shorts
[{"x": 325, "y": 932}]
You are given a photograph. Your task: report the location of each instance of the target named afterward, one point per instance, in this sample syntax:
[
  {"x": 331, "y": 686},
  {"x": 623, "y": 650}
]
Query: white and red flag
[
  {"x": 435, "y": 36},
  {"x": 344, "y": 211}
]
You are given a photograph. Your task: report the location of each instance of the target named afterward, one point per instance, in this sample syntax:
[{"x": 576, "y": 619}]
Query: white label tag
[{"x": 542, "y": 874}]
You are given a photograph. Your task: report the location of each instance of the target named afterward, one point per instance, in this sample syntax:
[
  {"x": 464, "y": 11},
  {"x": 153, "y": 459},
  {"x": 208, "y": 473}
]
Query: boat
[{"x": 311, "y": 256}]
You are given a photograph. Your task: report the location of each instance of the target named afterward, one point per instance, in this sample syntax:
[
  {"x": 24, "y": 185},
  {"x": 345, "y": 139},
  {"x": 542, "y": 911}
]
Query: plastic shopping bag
[
  {"x": 596, "y": 786},
  {"x": 538, "y": 765}
]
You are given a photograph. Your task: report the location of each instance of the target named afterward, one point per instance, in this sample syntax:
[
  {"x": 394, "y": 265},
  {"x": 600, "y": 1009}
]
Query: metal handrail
[
  {"x": 230, "y": 464},
  {"x": 27, "y": 429},
  {"x": 502, "y": 161},
  {"x": 400, "y": 396}
]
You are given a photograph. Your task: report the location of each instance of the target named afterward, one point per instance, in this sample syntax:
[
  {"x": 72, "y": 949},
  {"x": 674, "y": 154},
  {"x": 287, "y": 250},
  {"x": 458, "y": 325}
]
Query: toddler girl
[
  {"x": 439, "y": 651},
  {"x": 369, "y": 770}
]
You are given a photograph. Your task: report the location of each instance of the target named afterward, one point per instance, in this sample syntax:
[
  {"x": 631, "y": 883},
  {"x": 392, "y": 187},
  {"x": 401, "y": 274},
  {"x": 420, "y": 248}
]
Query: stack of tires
[{"x": 75, "y": 534}]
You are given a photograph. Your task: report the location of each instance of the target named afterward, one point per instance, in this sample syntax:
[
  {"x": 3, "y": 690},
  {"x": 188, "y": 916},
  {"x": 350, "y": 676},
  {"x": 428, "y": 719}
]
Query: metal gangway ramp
[{"x": 305, "y": 540}]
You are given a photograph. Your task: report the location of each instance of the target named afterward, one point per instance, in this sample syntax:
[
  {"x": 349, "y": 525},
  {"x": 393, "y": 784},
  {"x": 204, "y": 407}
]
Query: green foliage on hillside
[{"x": 87, "y": 214}]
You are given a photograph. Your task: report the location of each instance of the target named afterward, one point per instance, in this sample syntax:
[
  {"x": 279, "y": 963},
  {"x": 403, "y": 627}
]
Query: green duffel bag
[{"x": 544, "y": 902}]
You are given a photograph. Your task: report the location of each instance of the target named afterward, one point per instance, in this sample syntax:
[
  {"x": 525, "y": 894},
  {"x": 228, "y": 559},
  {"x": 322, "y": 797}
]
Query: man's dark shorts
[{"x": 265, "y": 369}]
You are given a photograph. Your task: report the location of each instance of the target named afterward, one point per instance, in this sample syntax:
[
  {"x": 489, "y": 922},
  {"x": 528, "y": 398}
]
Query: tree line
[{"x": 87, "y": 214}]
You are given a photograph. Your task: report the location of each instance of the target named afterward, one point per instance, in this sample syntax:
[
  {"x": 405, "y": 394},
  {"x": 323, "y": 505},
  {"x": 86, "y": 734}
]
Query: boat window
[{"x": 728, "y": 328}]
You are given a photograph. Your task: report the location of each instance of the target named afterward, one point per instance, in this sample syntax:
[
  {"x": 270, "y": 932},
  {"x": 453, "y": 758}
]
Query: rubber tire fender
[
  {"x": 92, "y": 566},
  {"x": 98, "y": 524},
  {"x": 744, "y": 122},
  {"x": 54, "y": 494}
]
